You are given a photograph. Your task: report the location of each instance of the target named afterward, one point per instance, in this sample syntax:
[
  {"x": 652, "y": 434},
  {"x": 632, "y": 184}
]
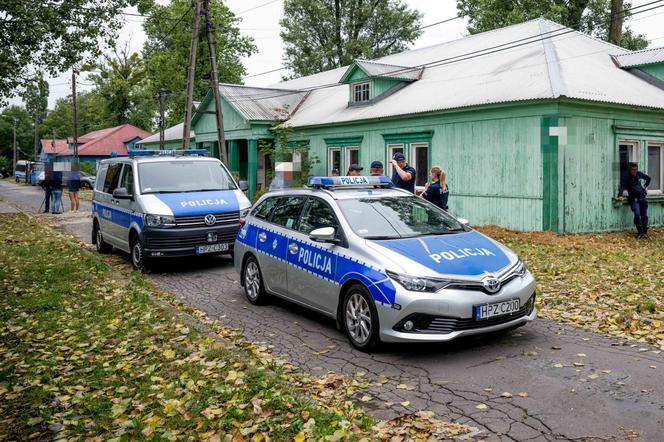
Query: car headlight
[
  {"x": 419, "y": 284},
  {"x": 159, "y": 220},
  {"x": 520, "y": 269}
]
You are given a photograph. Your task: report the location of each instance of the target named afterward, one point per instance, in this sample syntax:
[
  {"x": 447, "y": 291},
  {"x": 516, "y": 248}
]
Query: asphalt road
[{"x": 572, "y": 402}]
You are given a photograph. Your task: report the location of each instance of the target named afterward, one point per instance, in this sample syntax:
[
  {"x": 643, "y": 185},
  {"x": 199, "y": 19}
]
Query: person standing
[
  {"x": 354, "y": 170},
  {"x": 637, "y": 197},
  {"x": 437, "y": 191},
  {"x": 376, "y": 168},
  {"x": 46, "y": 186},
  {"x": 56, "y": 193},
  {"x": 403, "y": 176},
  {"x": 73, "y": 187}
]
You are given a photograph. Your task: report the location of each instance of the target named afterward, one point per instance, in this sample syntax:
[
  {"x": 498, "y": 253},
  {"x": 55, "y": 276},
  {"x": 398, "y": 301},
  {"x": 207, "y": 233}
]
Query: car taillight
[{"x": 242, "y": 222}]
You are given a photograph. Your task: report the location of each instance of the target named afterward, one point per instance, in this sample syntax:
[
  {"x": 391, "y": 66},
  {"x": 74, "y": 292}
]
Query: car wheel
[
  {"x": 254, "y": 289},
  {"x": 138, "y": 259},
  {"x": 85, "y": 185},
  {"x": 360, "y": 318},
  {"x": 98, "y": 240}
]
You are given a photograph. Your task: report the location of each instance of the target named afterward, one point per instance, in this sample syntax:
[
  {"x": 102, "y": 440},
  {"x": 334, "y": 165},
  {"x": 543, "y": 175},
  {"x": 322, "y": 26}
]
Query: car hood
[
  {"x": 460, "y": 254},
  {"x": 195, "y": 203}
]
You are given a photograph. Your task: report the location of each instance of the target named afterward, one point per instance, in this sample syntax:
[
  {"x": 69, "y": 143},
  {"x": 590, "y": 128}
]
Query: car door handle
[
  {"x": 293, "y": 247},
  {"x": 262, "y": 237}
]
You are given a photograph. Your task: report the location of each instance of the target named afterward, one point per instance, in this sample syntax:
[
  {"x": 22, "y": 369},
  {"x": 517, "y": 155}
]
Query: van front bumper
[{"x": 173, "y": 242}]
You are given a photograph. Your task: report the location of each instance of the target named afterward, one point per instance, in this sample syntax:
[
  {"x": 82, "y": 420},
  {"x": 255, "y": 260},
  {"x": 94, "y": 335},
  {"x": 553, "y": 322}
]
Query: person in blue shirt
[
  {"x": 403, "y": 176},
  {"x": 637, "y": 197},
  {"x": 437, "y": 191}
]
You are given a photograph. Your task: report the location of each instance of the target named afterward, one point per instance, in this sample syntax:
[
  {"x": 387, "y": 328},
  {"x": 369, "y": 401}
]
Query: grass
[{"x": 610, "y": 282}]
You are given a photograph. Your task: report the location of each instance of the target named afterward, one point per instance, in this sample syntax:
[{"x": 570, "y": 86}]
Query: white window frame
[
  {"x": 659, "y": 145},
  {"x": 347, "y": 151},
  {"x": 330, "y": 161},
  {"x": 413, "y": 157},
  {"x": 633, "y": 157},
  {"x": 390, "y": 153},
  {"x": 360, "y": 89}
]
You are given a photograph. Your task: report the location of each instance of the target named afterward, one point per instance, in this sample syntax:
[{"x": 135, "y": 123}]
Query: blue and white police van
[
  {"x": 159, "y": 204},
  {"x": 387, "y": 265}
]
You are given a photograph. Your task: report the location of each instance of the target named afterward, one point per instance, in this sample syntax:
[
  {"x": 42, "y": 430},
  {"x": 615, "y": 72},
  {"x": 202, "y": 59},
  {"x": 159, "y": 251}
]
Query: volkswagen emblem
[
  {"x": 210, "y": 220},
  {"x": 491, "y": 284}
]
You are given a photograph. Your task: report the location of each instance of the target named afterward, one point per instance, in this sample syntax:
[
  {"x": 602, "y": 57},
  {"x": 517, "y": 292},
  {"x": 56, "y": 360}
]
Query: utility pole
[
  {"x": 14, "y": 145},
  {"x": 161, "y": 96},
  {"x": 616, "y": 23},
  {"x": 75, "y": 126},
  {"x": 214, "y": 80},
  {"x": 191, "y": 71}
]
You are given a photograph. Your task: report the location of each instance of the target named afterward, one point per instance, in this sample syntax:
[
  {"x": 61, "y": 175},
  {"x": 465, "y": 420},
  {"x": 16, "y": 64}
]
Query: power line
[{"x": 257, "y": 7}]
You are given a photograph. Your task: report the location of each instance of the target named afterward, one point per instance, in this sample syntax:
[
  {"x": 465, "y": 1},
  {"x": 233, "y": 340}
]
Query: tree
[
  {"x": 166, "y": 52},
  {"x": 590, "y": 16},
  {"x": 91, "y": 116},
  {"x": 24, "y": 132},
  {"x": 35, "y": 97},
  {"x": 53, "y": 36},
  {"x": 120, "y": 81},
  {"x": 325, "y": 34}
]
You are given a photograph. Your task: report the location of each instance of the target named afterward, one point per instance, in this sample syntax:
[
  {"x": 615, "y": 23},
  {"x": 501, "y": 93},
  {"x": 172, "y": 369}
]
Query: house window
[
  {"x": 391, "y": 150},
  {"x": 656, "y": 168},
  {"x": 361, "y": 92},
  {"x": 352, "y": 156},
  {"x": 333, "y": 160},
  {"x": 419, "y": 159},
  {"x": 628, "y": 152}
]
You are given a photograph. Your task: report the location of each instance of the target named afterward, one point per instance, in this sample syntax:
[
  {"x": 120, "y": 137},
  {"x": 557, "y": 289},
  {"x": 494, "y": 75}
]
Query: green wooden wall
[
  {"x": 655, "y": 69},
  {"x": 171, "y": 144}
]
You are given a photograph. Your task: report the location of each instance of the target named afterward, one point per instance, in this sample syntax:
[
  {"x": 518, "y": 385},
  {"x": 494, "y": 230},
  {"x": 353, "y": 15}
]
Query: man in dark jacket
[
  {"x": 403, "y": 175},
  {"x": 637, "y": 197}
]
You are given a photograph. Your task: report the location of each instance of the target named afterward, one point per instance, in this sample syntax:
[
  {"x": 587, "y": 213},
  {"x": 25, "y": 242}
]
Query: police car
[
  {"x": 164, "y": 204},
  {"x": 387, "y": 265}
]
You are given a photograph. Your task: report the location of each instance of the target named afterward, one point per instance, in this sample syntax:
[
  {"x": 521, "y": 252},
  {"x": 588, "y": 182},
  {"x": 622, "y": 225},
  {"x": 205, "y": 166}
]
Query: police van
[
  {"x": 160, "y": 204},
  {"x": 387, "y": 265}
]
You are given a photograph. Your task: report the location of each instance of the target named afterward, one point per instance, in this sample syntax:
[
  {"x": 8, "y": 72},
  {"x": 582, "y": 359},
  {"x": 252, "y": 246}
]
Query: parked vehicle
[
  {"x": 387, "y": 265},
  {"x": 87, "y": 180},
  {"x": 166, "y": 206},
  {"x": 21, "y": 170}
]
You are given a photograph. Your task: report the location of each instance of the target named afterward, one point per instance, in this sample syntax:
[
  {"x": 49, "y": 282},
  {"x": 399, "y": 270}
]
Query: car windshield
[
  {"x": 183, "y": 176},
  {"x": 397, "y": 217}
]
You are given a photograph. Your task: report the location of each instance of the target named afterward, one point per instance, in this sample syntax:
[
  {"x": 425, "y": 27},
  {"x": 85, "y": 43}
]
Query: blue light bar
[
  {"x": 167, "y": 152},
  {"x": 349, "y": 181}
]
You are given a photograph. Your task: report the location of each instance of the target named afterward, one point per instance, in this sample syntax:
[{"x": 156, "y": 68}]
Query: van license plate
[
  {"x": 486, "y": 311},
  {"x": 212, "y": 248}
]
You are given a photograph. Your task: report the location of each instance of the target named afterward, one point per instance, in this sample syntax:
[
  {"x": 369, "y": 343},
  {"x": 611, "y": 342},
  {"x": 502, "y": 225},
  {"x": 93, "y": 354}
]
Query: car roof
[
  {"x": 157, "y": 159},
  {"x": 344, "y": 193}
]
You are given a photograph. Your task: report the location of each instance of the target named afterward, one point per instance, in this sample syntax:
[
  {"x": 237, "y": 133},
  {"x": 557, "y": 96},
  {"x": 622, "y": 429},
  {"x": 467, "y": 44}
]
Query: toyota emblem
[
  {"x": 210, "y": 220},
  {"x": 491, "y": 285}
]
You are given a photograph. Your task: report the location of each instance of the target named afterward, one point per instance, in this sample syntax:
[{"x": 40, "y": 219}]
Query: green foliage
[
  {"x": 91, "y": 116},
  {"x": 54, "y": 36},
  {"x": 87, "y": 167},
  {"x": 325, "y": 34},
  {"x": 24, "y": 132},
  {"x": 166, "y": 52},
  {"x": 5, "y": 163},
  {"x": 589, "y": 16}
]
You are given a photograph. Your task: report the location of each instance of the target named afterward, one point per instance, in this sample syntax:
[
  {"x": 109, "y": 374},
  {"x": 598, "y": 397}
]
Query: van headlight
[
  {"x": 419, "y": 284},
  {"x": 245, "y": 212},
  {"x": 159, "y": 221}
]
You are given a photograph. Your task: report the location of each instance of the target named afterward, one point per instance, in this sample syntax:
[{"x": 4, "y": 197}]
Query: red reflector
[{"x": 242, "y": 221}]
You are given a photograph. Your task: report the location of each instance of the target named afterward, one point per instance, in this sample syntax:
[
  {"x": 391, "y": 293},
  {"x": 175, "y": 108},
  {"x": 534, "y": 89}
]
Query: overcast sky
[{"x": 260, "y": 20}]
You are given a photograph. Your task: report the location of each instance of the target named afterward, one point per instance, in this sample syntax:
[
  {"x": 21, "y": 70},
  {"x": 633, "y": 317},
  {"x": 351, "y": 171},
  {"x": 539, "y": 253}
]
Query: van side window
[
  {"x": 263, "y": 210},
  {"x": 127, "y": 179},
  {"x": 101, "y": 177},
  {"x": 112, "y": 178}
]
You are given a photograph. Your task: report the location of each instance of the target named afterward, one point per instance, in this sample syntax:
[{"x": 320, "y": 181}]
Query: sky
[{"x": 260, "y": 20}]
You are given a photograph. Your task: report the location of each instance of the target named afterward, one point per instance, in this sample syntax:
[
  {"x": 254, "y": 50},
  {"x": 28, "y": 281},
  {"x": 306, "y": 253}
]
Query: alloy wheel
[
  {"x": 252, "y": 280},
  {"x": 358, "y": 318}
]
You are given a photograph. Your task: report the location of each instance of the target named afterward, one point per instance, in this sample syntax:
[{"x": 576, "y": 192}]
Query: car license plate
[
  {"x": 486, "y": 311},
  {"x": 211, "y": 248}
]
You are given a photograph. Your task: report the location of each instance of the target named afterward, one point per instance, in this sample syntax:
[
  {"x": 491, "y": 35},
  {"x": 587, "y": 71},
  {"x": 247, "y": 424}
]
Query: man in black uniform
[
  {"x": 403, "y": 175},
  {"x": 637, "y": 197}
]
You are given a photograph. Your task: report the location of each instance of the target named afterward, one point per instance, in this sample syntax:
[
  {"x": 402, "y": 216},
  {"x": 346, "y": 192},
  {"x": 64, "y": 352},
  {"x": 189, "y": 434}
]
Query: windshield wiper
[
  {"x": 440, "y": 232},
  {"x": 162, "y": 191},
  {"x": 382, "y": 237}
]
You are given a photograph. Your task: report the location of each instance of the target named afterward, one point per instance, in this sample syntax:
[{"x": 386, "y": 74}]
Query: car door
[
  {"x": 107, "y": 210},
  {"x": 312, "y": 268},
  {"x": 272, "y": 241},
  {"x": 124, "y": 206}
]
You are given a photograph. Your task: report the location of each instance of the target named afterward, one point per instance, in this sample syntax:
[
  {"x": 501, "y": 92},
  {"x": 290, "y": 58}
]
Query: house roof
[
  {"x": 262, "y": 104},
  {"x": 173, "y": 133},
  {"x": 548, "y": 61},
  {"x": 61, "y": 146},
  {"x": 104, "y": 142},
  {"x": 375, "y": 69},
  {"x": 641, "y": 58}
]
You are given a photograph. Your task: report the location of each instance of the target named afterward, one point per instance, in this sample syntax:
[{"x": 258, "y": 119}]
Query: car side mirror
[
  {"x": 324, "y": 234},
  {"x": 243, "y": 185},
  {"x": 122, "y": 194},
  {"x": 463, "y": 221}
]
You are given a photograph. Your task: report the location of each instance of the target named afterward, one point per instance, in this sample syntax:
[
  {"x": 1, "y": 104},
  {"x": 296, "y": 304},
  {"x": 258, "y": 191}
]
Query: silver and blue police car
[
  {"x": 157, "y": 204},
  {"x": 387, "y": 265}
]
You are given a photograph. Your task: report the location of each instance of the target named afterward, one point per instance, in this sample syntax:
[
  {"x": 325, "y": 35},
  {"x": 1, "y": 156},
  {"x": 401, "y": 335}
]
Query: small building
[
  {"x": 173, "y": 139},
  {"x": 534, "y": 123}
]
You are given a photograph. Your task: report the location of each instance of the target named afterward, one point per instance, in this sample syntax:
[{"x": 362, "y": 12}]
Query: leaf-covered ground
[
  {"x": 88, "y": 353},
  {"x": 609, "y": 282}
]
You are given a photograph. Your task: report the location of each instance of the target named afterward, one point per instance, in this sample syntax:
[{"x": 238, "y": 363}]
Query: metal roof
[
  {"x": 374, "y": 69},
  {"x": 640, "y": 58},
  {"x": 173, "y": 133},
  {"x": 262, "y": 104},
  {"x": 466, "y": 72}
]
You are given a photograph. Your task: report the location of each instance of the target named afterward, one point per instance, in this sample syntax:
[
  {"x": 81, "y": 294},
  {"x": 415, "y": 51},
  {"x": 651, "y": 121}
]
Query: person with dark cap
[
  {"x": 637, "y": 197},
  {"x": 335, "y": 172},
  {"x": 354, "y": 170},
  {"x": 376, "y": 168},
  {"x": 403, "y": 175}
]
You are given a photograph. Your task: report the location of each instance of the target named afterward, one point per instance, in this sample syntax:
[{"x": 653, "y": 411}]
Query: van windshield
[{"x": 183, "y": 176}]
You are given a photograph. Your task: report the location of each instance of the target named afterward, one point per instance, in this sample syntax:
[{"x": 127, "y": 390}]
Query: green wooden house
[{"x": 534, "y": 124}]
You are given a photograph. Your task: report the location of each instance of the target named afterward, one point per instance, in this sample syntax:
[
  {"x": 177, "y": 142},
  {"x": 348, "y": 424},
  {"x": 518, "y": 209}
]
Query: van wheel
[
  {"x": 360, "y": 318},
  {"x": 138, "y": 259},
  {"x": 254, "y": 289},
  {"x": 98, "y": 240}
]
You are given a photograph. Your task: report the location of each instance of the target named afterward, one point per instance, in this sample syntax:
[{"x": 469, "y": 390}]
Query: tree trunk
[
  {"x": 617, "y": 18},
  {"x": 337, "y": 32}
]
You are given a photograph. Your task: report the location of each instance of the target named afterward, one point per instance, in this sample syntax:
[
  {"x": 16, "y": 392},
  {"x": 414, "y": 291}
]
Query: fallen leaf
[{"x": 481, "y": 406}]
